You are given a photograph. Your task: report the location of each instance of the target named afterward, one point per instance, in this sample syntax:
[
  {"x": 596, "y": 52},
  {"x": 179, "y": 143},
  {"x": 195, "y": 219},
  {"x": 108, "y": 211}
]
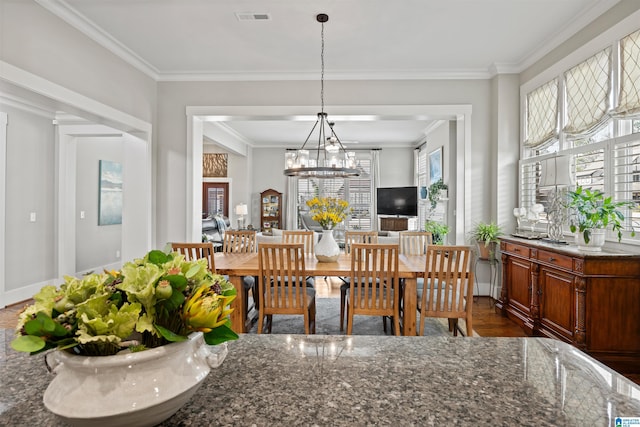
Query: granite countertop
[
  {"x": 609, "y": 249},
  {"x": 365, "y": 380}
]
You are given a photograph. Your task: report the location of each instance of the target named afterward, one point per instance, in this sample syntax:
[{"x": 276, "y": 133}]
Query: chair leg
[
  {"x": 260, "y": 322},
  {"x": 396, "y": 325},
  {"x": 269, "y": 322},
  {"x": 469, "y": 325},
  {"x": 453, "y": 325},
  {"x": 343, "y": 302}
]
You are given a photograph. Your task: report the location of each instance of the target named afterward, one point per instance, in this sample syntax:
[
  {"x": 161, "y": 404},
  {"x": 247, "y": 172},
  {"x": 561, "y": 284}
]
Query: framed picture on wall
[
  {"x": 110, "y": 193},
  {"x": 435, "y": 165}
]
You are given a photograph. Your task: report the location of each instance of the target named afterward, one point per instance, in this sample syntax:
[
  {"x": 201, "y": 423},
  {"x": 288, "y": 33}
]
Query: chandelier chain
[{"x": 322, "y": 67}]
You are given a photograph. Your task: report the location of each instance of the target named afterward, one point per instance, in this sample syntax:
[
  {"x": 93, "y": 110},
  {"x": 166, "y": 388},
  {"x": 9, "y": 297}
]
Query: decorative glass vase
[
  {"x": 327, "y": 249},
  {"x": 132, "y": 389}
]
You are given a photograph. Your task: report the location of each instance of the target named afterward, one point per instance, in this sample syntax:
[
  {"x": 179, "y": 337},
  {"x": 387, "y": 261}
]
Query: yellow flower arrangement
[{"x": 328, "y": 211}]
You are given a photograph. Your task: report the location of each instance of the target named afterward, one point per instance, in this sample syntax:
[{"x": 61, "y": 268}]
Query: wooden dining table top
[{"x": 246, "y": 264}]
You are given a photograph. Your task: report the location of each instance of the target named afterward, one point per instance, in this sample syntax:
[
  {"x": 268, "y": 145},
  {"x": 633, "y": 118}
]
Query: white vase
[
  {"x": 327, "y": 249},
  {"x": 133, "y": 389},
  {"x": 596, "y": 240}
]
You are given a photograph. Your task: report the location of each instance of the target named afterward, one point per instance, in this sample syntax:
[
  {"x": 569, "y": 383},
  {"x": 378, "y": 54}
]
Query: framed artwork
[
  {"x": 110, "y": 193},
  {"x": 435, "y": 165},
  {"x": 214, "y": 165}
]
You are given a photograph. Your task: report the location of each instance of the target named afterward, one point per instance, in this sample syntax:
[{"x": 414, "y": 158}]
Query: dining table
[{"x": 238, "y": 265}]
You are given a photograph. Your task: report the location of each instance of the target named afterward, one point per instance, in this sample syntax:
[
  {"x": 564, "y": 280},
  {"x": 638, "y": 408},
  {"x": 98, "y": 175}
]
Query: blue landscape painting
[{"x": 110, "y": 203}]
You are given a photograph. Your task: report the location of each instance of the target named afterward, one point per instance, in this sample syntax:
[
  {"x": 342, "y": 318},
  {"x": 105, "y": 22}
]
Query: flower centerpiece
[
  {"x": 132, "y": 346},
  {"x": 150, "y": 302},
  {"x": 328, "y": 212}
]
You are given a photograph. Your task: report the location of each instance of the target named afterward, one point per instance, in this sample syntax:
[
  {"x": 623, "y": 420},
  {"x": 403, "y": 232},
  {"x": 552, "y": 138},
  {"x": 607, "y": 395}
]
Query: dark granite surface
[
  {"x": 364, "y": 380},
  {"x": 608, "y": 250}
]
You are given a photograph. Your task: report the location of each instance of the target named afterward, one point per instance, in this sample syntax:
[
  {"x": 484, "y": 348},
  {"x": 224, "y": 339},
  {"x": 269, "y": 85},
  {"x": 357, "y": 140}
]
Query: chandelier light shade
[{"x": 328, "y": 159}]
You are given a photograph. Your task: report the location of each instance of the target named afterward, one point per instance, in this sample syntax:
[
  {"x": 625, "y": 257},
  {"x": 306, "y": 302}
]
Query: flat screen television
[{"x": 397, "y": 201}]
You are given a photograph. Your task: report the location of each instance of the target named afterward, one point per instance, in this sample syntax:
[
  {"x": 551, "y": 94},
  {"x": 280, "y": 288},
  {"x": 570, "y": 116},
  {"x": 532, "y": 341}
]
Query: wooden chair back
[
  {"x": 306, "y": 237},
  {"x": 448, "y": 284},
  {"x": 193, "y": 251},
  {"x": 282, "y": 284},
  {"x": 239, "y": 241},
  {"x": 415, "y": 242},
  {"x": 374, "y": 283},
  {"x": 352, "y": 237}
]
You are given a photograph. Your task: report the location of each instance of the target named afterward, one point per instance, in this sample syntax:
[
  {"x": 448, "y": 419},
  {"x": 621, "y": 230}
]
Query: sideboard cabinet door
[
  {"x": 518, "y": 282},
  {"x": 556, "y": 304}
]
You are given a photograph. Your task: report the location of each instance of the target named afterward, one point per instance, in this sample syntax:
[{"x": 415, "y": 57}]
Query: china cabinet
[{"x": 270, "y": 210}]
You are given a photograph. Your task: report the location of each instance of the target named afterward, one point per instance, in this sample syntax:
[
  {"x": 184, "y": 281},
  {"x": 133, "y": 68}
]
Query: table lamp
[
  {"x": 241, "y": 211},
  {"x": 555, "y": 173}
]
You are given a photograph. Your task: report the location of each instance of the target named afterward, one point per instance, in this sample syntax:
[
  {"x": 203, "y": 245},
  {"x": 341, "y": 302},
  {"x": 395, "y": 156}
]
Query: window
[
  {"x": 601, "y": 139},
  {"x": 358, "y": 191}
]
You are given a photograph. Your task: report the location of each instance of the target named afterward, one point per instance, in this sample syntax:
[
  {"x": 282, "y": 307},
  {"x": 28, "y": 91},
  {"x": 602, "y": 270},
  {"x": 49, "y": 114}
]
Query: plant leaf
[
  {"x": 28, "y": 343},
  {"x": 219, "y": 335},
  {"x": 169, "y": 335}
]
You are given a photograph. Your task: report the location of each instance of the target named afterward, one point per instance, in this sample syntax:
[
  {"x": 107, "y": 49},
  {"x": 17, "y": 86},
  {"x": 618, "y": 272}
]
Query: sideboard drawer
[
  {"x": 516, "y": 249},
  {"x": 562, "y": 261}
]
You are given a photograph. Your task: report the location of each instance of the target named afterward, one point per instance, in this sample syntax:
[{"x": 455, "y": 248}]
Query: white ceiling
[{"x": 379, "y": 39}]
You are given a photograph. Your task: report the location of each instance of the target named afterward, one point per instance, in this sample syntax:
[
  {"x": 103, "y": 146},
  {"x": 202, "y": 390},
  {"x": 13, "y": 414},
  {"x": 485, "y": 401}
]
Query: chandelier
[{"x": 328, "y": 159}]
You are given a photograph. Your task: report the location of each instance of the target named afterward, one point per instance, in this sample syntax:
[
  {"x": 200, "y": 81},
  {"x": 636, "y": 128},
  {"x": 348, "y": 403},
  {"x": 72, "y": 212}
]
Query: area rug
[{"x": 328, "y": 322}]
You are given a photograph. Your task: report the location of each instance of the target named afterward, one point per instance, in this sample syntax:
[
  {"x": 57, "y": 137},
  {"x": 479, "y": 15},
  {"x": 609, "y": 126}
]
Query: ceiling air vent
[{"x": 249, "y": 16}]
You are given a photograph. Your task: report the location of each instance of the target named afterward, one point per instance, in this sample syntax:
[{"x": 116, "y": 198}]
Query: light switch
[
  {"x": 32, "y": 217},
  {"x": 81, "y": 214}
]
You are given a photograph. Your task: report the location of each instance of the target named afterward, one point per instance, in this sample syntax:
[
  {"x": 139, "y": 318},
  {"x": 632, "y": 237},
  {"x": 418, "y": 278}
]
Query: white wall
[
  {"x": 49, "y": 65},
  {"x": 175, "y": 97},
  {"x": 29, "y": 189},
  {"x": 96, "y": 245},
  {"x": 396, "y": 167},
  {"x": 35, "y": 40}
]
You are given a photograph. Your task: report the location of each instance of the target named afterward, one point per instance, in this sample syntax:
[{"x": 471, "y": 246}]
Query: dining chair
[
  {"x": 305, "y": 237},
  {"x": 414, "y": 242},
  {"x": 243, "y": 241},
  {"x": 194, "y": 251},
  {"x": 373, "y": 263},
  {"x": 282, "y": 285},
  {"x": 351, "y": 238},
  {"x": 239, "y": 241},
  {"x": 448, "y": 286}
]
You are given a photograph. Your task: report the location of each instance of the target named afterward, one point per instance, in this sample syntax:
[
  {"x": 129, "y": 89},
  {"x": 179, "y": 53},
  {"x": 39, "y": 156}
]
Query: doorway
[{"x": 215, "y": 199}]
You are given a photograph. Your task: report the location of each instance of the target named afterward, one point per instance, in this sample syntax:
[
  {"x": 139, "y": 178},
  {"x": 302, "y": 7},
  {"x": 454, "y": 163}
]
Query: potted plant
[
  {"x": 434, "y": 192},
  {"x": 592, "y": 214},
  {"x": 486, "y": 236},
  {"x": 438, "y": 231}
]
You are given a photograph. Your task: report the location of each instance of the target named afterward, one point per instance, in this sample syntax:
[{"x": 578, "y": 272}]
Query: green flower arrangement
[
  {"x": 150, "y": 302},
  {"x": 328, "y": 211}
]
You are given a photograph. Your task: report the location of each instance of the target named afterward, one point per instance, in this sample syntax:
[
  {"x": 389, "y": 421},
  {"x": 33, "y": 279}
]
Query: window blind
[
  {"x": 629, "y": 93},
  {"x": 542, "y": 115},
  {"x": 587, "y": 87}
]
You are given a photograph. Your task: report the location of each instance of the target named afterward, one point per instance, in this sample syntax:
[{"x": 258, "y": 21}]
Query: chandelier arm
[{"x": 309, "y": 136}]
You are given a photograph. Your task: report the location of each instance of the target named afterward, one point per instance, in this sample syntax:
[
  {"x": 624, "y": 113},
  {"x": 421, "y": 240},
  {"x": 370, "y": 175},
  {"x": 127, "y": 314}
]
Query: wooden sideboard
[{"x": 590, "y": 300}]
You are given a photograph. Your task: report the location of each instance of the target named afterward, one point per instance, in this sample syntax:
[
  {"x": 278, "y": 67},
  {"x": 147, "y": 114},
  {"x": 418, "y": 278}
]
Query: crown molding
[
  {"x": 64, "y": 11},
  {"x": 182, "y": 76}
]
